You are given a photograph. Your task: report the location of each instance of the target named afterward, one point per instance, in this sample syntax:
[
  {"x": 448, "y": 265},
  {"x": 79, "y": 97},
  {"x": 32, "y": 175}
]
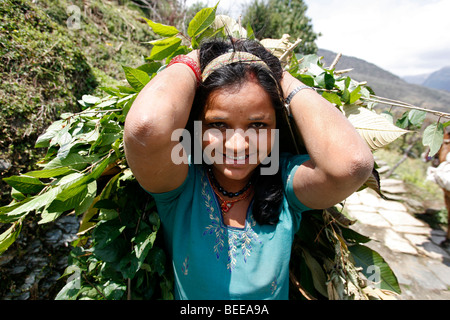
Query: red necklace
[{"x": 226, "y": 205}]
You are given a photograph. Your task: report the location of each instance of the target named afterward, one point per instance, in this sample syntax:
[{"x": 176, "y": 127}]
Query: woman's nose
[{"x": 236, "y": 142}]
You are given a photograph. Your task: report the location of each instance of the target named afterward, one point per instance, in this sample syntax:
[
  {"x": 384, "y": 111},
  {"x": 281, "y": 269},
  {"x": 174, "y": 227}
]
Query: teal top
[{"x": 214, "y": 261}]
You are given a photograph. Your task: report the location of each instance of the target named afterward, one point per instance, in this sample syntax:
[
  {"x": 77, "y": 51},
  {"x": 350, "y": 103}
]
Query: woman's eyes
[
  {"x": 222, "y": 125},
  {"x": 217, "y": 125},
  {"x": 258, "y": 125}
]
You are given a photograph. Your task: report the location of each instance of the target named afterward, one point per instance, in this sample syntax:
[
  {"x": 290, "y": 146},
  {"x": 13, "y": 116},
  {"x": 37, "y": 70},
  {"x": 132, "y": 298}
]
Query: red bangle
[{"x": 190, "y": 63}]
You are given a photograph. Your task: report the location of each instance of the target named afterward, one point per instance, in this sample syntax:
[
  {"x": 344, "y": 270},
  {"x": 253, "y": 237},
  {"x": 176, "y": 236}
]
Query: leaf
[
  {"x": 373, "y": 182},
  {"x": 25, "y": 184},
  {"x": 201, "y": 21},
  {"x": 136, "y": 78},
  {"x": 16, "y": 195},
  {"x": 50, "y": 173},
  {"x": 339, "y": 217},
  {"x": 306, "y": 79},
  {"x": 44, "y": 139},
  {"x": 90, "y": 99},
  {"x": 317, "y": 272},
  {"x": 85, "y": 203},
  {"x": 107, "y": 214},
  {"x": 8, "y": 237},
  {"x": 250, "y": 32},
  {"x": 351, "y": 236},
  {"x": 162, "y": 29},
  {"x": 416, "y": 117},
  {"x": 403, "y": 122},
  {"x": 332, "y": 97},
  {"x": 62, "y": 137},
  {"x": 370, "y": 262},
  {"x": 355, "y": 95},
  {"x": 74, "y": 161},
  {"x": 70, "y": 291},
  {"x": 325, "y": 80},
  {"x": 28, "y": 205},
  {"x": 129, "y": 265},
  {"x": 8, "y": 214},
  {"x": 412, "y": 117},
  {"x": 105, "y": 233},
  {"x": 375, "y": 129},
  {"x": 144, "y": 243},
  {"x": 164, "y": 48},
  {"x": 114, "y": 291},
  {"x": 389, "y": 116},
  {"x": 150, "y": 68},
  {"x": 86, "y": 224},
  {"x": 157, "y": 260},
  {"x": 68, "y": 199},
  {"x": 433, "y": 136}
]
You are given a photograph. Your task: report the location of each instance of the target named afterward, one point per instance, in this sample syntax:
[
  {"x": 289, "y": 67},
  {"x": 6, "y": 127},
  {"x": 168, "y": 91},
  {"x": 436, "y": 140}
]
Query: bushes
[
  {"x": 42, "y": 72},
  {"x": 45, "y": 67}
]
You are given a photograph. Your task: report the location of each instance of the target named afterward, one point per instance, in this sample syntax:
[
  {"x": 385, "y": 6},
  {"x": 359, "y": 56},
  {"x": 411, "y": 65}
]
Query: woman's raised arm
[
  {"x": 341, "y": 160},
  {"x": 161, "y": 107}
]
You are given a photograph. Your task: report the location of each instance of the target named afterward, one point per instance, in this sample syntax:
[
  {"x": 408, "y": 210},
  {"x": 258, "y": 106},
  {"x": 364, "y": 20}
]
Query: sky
[{"x": 405, "y": 37}]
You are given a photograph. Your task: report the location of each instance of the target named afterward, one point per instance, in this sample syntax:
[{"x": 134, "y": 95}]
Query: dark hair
[{"x": 268, "y": 188}]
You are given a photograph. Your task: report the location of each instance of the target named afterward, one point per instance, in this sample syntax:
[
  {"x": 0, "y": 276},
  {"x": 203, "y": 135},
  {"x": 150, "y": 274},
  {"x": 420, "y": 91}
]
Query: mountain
[
  {"x": 439, "y": 79},
  {"x": 388, "y": 85},
  {"x": 417, "y": 79}
]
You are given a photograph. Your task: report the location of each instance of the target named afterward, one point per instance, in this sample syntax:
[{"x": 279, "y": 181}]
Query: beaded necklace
[{"x": 226, "y": 205}]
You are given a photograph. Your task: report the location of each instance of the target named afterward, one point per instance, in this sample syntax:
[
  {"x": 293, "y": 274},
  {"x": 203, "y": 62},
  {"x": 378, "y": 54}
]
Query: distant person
[{"x": 439, "y": 173}]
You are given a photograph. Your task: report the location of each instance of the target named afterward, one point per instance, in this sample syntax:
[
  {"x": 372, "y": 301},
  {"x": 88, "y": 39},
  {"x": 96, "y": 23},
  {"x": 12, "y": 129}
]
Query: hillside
[
  {"x": 388, "y": 85},
  {"x": 439, "y": 80},
  {"x": 46, "y": 67},
  {"x": 417, "y": 79}
]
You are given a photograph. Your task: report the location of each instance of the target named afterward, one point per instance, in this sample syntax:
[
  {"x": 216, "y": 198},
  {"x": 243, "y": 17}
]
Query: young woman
[{"x": 228, "y": 225}]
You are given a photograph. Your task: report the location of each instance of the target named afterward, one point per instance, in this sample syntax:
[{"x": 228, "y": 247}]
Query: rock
[
  {"x": 383, "y": 169},
  {"x": 369, "y": 218},
  {"x": 397, "y": 243},
  {"x": 426, "y": 231},
  {"x": 53, "y": 236},
  {"x": 369, "y": 198},
  {"x": 425, "y": 246},
  {"x": 441, "y": 271},
  {"x": 5, "y": 258},
  {"x": 35, "y": 274},
  {"x": 392, "y": 186},
  {"x": 400, "y": 218},
  {"x": 4, "y": 165}
]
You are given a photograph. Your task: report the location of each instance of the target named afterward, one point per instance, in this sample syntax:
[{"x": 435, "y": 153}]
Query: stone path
[{"x": 409, "y": 246}]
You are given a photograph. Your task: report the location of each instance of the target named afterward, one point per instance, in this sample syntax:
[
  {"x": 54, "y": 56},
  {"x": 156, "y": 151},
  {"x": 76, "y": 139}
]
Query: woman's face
[{"x": 237, "y": 129}]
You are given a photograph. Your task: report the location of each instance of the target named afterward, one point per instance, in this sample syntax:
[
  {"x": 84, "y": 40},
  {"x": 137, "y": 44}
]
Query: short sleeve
[
  {"x": 289, "y": 165},
  {"x": 172, "y": 195}
]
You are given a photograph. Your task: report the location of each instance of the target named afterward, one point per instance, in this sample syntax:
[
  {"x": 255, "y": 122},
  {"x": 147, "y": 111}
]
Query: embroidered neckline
[
  {"x": 243, "y": 239},
  {"x": 248, "y": 215}
]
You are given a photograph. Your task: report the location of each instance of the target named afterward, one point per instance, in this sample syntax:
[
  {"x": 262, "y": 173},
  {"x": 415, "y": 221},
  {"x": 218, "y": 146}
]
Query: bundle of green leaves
[{"x": 119, "y": 252}]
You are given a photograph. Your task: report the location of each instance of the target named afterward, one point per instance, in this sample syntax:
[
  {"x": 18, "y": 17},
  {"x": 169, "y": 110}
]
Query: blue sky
[{"x": 405, "y": 37}]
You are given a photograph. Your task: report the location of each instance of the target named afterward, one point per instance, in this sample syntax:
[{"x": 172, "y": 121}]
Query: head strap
[{"x": 229, "y": 58}]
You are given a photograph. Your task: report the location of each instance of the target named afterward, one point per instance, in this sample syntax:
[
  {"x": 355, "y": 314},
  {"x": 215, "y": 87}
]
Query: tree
[{"x": 274, "y": 18}]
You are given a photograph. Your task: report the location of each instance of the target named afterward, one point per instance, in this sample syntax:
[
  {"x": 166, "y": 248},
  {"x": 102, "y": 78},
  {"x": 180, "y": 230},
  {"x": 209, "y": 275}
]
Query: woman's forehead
[{"x": 248, "y": 98}]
